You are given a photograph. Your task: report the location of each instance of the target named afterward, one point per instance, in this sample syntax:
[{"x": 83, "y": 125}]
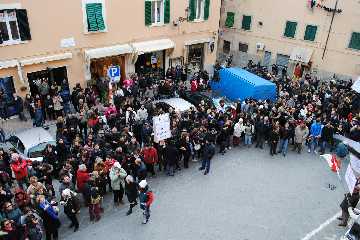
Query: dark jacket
[
  {"x": 171, "y": 154},
  {"x": 208, "y": 151},
  {"x": 131, "y": 191}
]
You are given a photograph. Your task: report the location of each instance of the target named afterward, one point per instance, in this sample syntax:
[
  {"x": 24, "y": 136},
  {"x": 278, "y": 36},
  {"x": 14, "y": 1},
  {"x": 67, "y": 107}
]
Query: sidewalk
[{"x": 13, "y": 125}]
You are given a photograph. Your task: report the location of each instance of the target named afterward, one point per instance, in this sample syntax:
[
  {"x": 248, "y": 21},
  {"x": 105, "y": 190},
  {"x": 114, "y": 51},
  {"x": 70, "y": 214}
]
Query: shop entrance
[
  {"x": 195, "y": 58},
  {"x": 151, "y": 64},
  {"x": 7, "y": 90},
  {"x": 55, "y": 77}
]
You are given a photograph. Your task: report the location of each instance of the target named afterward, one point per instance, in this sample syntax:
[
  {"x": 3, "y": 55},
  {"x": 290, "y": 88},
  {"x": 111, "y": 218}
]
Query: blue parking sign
[{"x": 114, "y": 73}]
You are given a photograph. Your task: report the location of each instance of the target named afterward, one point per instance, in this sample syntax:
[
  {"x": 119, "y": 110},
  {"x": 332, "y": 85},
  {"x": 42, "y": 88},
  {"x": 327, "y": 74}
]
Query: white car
[
  {"x": 178, "y": 104},
  {"x": 31, "y": 143}
]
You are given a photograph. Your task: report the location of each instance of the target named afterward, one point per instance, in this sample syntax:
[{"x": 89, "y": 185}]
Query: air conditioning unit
[{"x": 260, "y": 46}]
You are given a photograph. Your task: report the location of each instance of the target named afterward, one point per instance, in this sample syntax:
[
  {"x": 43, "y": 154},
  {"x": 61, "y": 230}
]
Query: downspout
[{"x": 331, "y": 23}]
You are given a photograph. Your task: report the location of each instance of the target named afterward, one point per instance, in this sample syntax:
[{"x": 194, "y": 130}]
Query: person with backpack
[
  {"x": 146, "y": 198},
  {"x": 71, "y": 207}
]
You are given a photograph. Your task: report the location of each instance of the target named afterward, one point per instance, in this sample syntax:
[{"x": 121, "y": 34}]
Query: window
[
  {"x": 246, "y": 22},
  {"x": 14, "y": 26},
  {"x": 310, "y": 32},
  {"x": 290, "y": 29},
  {"x": 226, "y": 46},
  {"x": 243, "y": 47},
  {"x": 230, "y": 17},
  {"x": 199, "y": 10},
  {"x": 355, "y": 41},
  {"x": 157, "y": 12},
  {"x": 94, "y": 16}
]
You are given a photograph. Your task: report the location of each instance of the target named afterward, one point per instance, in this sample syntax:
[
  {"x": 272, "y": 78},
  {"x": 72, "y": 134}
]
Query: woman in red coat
[
  {"x": 150, "y": 157},
  {"x": 19, "y": 167},
  {"x": 82, "y": 176}
]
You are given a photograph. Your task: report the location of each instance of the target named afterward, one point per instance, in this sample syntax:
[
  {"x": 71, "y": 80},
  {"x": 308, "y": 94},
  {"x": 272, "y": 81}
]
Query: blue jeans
[
  {"x": 170, "y": 170},
  {"x": 205, "y": 164},
  {"x": 314, "y": 143},
  {"x": 283, "y": 146},
  {"x": 248, "y": 139}
]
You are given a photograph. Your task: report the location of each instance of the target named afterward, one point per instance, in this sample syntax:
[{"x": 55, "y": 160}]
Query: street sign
[{"x": 114, "y": 73}]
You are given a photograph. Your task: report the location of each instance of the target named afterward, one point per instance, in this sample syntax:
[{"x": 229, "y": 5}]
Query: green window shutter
[
  {"x": 355, "y": 41},
  {"x": 147, "y": 13},
  {"x": 310, "y": 33},
  {"x": 99, "y": 16},
  {"x": 192, "y": 8},
  {"x": 230, "y": 17},
  {"x": 91, "y": 17},
  {"x": 207, "y": 9},
  {"x": 246, "y": 22},
  {"x": 166, "y": 11},
  {"x": 290, "y": 29}
]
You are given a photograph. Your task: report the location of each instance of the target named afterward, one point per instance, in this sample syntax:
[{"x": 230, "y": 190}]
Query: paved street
[{"x": 248, "y": 194}]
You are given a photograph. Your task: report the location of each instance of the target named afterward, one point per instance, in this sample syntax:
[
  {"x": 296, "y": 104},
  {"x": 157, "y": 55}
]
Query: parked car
[
  {"x": 196, "y": 98},
  {"x": 213, "y": 102},
  {"x": 31, "y": 143},
  {"x": 178, "y": 104}
]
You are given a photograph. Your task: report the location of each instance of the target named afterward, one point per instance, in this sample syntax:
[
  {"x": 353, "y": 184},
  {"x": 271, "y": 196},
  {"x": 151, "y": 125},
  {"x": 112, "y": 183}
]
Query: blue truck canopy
[{"x": 237, "y": 83}]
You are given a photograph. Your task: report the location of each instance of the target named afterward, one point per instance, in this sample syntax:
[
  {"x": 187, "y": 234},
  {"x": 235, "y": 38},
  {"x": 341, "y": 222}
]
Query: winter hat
[
  {"x": 82, "y": 167},
  {"x": 143, "y": 183},
  {"x": 67, "y": 193},
  {"x": 117, "y": 165},
  {"x": 98, "y": 160},
  {"x": 14, "y": 156},
  {"x": 129, "y": 178}
]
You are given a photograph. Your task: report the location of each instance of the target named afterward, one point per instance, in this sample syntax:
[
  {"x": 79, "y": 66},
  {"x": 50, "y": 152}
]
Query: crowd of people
[{"x": 105, "y": 144}]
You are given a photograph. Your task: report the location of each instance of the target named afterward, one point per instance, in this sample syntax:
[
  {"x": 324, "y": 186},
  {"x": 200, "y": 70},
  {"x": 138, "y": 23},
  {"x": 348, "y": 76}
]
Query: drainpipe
[{"x": 331, "y": 23}]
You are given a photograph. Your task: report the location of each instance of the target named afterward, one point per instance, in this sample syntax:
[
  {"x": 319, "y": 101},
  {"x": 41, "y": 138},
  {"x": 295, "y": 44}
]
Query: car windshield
[{"x": 37, "y": 151}]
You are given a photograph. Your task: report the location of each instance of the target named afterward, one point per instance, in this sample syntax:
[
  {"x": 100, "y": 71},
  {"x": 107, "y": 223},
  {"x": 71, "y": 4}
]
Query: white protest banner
[
  {"x": 161, "y": 127},
  {"x": 350, "y": 179}
]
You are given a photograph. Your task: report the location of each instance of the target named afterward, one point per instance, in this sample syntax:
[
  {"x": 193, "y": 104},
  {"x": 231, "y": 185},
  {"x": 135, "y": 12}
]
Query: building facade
[
  {"x": 70, "y": 42},
  {"x": 303, "y": 34}
]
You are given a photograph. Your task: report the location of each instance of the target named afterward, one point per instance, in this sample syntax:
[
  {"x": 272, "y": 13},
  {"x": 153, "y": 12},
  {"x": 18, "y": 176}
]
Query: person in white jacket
[
  {"x": 142, "y": 113},
  {"x": 239, "y": 129}
]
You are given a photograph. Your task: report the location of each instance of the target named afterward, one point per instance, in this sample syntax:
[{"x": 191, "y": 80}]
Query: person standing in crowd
[
  {"x": 49, "y": 214},
  {"x": 207, "y": 155},
  {"x": 49, "y": 108},
  {"x": 20, "y": 168},
  {"x": 248, "y": 132},
  {"x": 58, "y": 107},
  {"x": 315, "y": 135},
  {"x": 327, "y": 138},
  {"x": 239, "y": 129},
  {"x": 273, "y": 140},
  {"x": 150, "y": 157},
  {"x": 131, "y": 190},
  {"x": 170, "y": 155},
  {"x": 301, "y": 134},
  {"x": 117, "y": 176},
  {"x": 82, "y": 176},
  {"x": 284, "y": 134},
  {"x": 350, "y": 200},
  {"x": 185, "y": 149},
  {"x": 71, "y": 207},
  {"x": 146, "y": 198},
  {"x": 19, "y": 106}
]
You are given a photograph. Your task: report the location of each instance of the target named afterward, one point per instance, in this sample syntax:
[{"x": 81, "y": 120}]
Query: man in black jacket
[
  {"x": 260, "y": 132},
  {"x": 327, "y": 137},
  {"x": 208, "y": 153}
]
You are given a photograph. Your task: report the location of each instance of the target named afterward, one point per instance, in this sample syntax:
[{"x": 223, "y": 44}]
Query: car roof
[
  {"x": 178, "y": 104},
  {"x": 34, "y": 136}
]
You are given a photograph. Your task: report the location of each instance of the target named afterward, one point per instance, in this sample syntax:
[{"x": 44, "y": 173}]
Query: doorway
[{"x": 57, "y": 76}]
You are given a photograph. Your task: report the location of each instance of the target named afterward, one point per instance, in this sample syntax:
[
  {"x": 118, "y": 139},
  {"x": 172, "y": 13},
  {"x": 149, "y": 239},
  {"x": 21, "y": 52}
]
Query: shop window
[
  {"x": 14, "y": 26},
  {"x": 246, "y": 22},
  {"x": 226, "y": 47},
  {"x": 94, "y": 16},
  {"x": 310, "y": 33},
  {"x": 355, "y": 41},
  {"x": 230, "y": 18},
  {"x": 290, "y": 29},
  {"x": 199, "y": 10},
  {"x": 243, "y": 47}
]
